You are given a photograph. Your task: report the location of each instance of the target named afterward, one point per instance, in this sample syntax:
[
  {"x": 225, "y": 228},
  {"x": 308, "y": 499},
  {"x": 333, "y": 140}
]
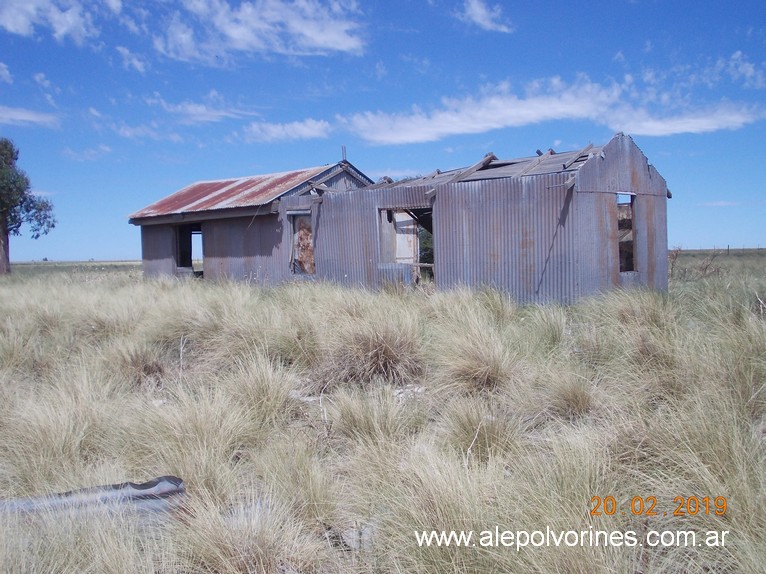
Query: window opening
[
  {"x": 406, "y": 237},
  {"x": 625, "y": 216},
  {"x": 302, "y": 252}
]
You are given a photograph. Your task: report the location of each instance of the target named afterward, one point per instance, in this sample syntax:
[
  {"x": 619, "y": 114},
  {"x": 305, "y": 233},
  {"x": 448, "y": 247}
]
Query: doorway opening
[{"x": 189, "y": 255}]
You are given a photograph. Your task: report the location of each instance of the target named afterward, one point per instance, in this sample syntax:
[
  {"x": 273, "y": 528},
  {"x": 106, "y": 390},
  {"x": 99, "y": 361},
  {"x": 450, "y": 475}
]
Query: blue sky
[{"x": 115, "y": 104}]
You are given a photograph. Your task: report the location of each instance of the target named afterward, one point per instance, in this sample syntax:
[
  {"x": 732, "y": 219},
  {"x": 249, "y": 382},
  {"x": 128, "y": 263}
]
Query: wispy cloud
[
  {"x": 5, "y": 74},
  {"x": 131, "y": 60},
  {"x": 620, "y": 106},
  {"x": 24, "y": 117},
  {"x": 741, "y": 69},
  {"x": 90, "y": 154},
  {"x": 65, "y": 19},
  {"x": 496, "y": 108},
  {"x": 486, "y": 17},
  {"x": 42, "y": 81},
  {"x": 150, "y": 130},
  {"x": 270, "y": 132},
  {"x": 722, "y": 116},
  {"x": 719, "y": 204},
  {"x": 211, "y": 31},
  {"x": 213, "y": 109}
]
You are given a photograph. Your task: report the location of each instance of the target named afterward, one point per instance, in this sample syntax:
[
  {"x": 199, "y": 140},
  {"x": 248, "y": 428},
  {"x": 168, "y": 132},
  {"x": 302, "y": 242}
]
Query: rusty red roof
[{"x": 249, "y": 191}]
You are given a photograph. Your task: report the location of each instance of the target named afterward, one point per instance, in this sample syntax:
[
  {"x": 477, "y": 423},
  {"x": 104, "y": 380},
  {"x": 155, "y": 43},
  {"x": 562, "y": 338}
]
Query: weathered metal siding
[
  {"x": 245, "y": 249},
  {"x": 650, "y": 219},
  {"x": 598, "y": 251},
  {"x": 158, "y": 250},
  {"x": 517, "y": 235},
  {"x": 347, "y": 233},
  {"x": 621, "y": 168},
  {"x": 342, "y": 182}
]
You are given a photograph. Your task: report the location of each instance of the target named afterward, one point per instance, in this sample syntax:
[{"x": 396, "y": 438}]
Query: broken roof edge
[{"x": 490, "y": 167}]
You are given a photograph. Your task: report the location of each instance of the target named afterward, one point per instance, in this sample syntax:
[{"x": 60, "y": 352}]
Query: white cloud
[
  {"x": 719, "y": 204},
  {"x": 496, "y": 108},
  {"x": 130, "y": 60},
  {"x": 42, "y": 81},
  {"x": 214, "y": 109},
  {"x": 179, "y": 42},
  {"x": 63, "y": 18},
  {"x": 151, "y": 131},
  {"x": 695, "y": 121},
  {"x": 5, "y": 74},
  {"x": 200, "y": 31},
  {"x": 638, "y": 109},
  {"x": 90, "y": 154},
  {"x": 486, "y": 17},
  {"x": 22, "y": 117},
  {"x": 212, "y": 30},
  {"x": 627, "y": 107},
  {"x": 303, "y": 130},
  {"x": 740, "y": 68},
  {"x": 114, "y": 5},
  {"x": 380, "y": 70}
]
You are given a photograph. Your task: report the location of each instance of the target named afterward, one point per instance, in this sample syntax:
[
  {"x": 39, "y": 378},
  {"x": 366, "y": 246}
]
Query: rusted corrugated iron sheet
[
  {"x": 230, "y": 193},
  {"x": 253, "y": 191}
]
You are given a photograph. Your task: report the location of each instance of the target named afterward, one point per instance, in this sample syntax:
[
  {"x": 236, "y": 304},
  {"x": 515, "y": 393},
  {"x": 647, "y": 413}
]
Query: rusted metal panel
[
  {"x": 229, "y": 193},
  {"x": 159, "y": 249},
  {"x": 252, "y": 190}
]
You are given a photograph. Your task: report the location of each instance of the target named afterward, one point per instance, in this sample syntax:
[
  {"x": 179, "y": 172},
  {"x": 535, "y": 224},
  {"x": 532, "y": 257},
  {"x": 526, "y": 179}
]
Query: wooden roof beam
[
  {"x": 584, "y": 150},
  {"x": 535, "y": 162},
  {"x": 478, "y": 166}
]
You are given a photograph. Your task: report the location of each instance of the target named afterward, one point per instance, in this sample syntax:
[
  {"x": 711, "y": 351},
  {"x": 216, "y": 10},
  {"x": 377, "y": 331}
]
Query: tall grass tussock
[{"x": 317, "y": 429}]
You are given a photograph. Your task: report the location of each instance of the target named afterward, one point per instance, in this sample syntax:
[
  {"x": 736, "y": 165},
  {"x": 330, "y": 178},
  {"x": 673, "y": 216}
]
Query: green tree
[{"x": 18, "y": 205}]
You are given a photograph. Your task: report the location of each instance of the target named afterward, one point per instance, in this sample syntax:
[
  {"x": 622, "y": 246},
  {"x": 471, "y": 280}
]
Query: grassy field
[{"x": 318, "y": 429}]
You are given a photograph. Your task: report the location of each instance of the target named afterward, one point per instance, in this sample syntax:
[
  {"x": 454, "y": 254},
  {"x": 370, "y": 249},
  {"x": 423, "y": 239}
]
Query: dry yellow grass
[{"x": 318, "y": 428}]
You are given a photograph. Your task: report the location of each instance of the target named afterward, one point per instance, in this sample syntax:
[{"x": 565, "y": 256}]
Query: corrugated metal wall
[
  {"x": 158, "y": 246},
  {"x": 347, "y": 234},
  {"x": 622, "y": 169},
  {"x": 539, "y": 238},
  {"x": 517, "y": 235},
  {"x": 245, "y": 249}
]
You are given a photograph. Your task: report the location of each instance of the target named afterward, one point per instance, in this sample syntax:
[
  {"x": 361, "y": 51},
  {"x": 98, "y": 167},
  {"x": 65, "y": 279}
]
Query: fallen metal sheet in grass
[{"x": 160, "y": 495}]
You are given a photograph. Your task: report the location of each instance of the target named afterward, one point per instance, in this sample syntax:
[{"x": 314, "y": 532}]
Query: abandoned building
[
  {"x": 550, "y": 227},
  {"x": 241, "y": 227}
]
